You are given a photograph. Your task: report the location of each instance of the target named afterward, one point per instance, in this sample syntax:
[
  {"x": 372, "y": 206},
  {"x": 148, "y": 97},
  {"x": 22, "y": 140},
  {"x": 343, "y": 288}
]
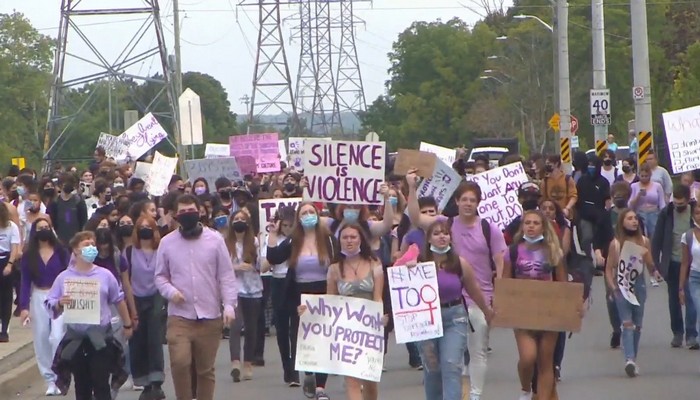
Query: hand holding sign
[{"x": 412, "y": 178}]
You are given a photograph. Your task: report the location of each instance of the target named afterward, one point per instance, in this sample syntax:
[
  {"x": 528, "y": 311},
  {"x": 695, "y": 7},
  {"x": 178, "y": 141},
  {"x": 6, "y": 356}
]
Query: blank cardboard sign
[
  {"x": 538, "y": 305},
  {"x": 407, "y": 159}
]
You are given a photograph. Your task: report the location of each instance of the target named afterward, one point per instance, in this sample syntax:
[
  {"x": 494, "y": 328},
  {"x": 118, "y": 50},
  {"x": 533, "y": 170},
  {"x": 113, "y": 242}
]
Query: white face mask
[{"x": 696, "y": 224}]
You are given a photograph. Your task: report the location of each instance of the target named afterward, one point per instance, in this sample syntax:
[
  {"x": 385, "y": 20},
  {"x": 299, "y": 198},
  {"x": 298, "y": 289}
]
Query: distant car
[
  {"x": 621, "y": 153},
  {"x": 494, "y": 154}
]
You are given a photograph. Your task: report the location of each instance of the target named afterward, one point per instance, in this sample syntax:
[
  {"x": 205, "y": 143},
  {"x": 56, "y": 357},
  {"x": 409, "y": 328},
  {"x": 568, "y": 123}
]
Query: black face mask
[
  {"x": 225, "y": 195},
  {"x": 108, "y": 198},
  {"x": 239, "y": 226},
  {"x": 682, "y": 208},
  {"x": 290, "y": 187},
  {"x": 626, "y": 169},
  {"x": 103, "y": 236},
  {"x": 530, "y": 204},
  {"x": 49, "y": 192},
  {"x": 145, "y": 233},
  {"x": 608, "y": 162},
  {"x": 549, "y": 169},
  {"x": 630, "y": 232},
  {"x": 68, "y": 189},
  {"x": 620, "y": 203},
  {"x": 44, "y": 235},
  {"x": 126, "y": 230},
  {"x": 188, "y": 221}
]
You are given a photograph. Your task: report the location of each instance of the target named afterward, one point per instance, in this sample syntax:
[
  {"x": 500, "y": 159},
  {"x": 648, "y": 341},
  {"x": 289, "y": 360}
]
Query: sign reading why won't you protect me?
[
  {"x": 499, "y": 193},
  {"x": 344, "y": 172},
  {"x": 341, "y": 335},
  {"x": 415, "y": 302}
]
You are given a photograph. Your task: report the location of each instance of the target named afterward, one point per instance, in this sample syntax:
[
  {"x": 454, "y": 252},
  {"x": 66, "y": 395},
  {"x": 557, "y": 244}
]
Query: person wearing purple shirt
[
  {"x": 195, "y": 274},
  {"x": 42, "y": 261},
  {"x": 89, "y": 351}
]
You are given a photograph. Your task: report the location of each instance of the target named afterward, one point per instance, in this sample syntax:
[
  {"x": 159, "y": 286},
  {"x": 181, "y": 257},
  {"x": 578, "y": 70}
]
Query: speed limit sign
[{"x": 600, "y": 107}]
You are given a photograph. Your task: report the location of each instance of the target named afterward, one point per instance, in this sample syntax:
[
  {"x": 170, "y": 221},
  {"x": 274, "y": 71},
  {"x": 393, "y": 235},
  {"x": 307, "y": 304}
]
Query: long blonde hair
[{"x": 551, "y": 240}]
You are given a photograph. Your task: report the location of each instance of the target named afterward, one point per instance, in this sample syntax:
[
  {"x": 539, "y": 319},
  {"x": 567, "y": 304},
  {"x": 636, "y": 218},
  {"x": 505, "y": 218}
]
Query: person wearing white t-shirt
[
  {"x": 689, "y": 282},
  {"x": 9, "y": 252},
  {"x": 609, "y": 171},
  {"x": 29, "y": 210}
]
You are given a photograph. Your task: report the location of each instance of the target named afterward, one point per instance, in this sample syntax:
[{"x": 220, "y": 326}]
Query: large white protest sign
[
  {"x": 344, "y": 172},
  {"x": 269, "y": 207},
  {"x": 443, "y": 153},
  {"x": 142, "y": 136},
  {"x": 215, "y": 150},
  {"x": 213, "y": 168},
  {"x": 84, "y": 307},
  {"x": 160, "y": 173},
  {"x": 115, "y": 146},
  {"x": 683, "y": 137},
  {"x": 630, "y": 267},
  {"x": 499, "y": 193},
  {"x": 415, "y": 302},
  {"x": 341, "y": 335},
  {"x": 282, "y": 148},
  {"x": 441, "y": 185},
  {"x": 295, "y": 151}
]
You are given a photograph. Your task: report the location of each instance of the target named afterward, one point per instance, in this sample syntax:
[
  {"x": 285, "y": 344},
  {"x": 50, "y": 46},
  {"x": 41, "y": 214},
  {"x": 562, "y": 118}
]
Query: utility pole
[
  {"x": 178, "y": 84},
  {"x": 642, "y": 80},
  {"x": 555, "y": 71},
  {"x": 600, "y": 131},
  {"x": 564, "y": 90}
]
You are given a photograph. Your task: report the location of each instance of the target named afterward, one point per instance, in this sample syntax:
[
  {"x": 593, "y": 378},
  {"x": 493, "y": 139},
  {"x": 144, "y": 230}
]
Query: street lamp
[{"x": 536, "y": 18}]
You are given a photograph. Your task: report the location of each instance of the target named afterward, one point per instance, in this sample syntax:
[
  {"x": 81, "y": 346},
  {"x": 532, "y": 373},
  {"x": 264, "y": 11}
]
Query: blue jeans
[
  {"x": 675, "y": 309},
  {"x": 442, "y": 357},
  {"x": 649, "y": 218},
  {"x": 694, "y": 290},
  {"x": 629, "y": 313}
]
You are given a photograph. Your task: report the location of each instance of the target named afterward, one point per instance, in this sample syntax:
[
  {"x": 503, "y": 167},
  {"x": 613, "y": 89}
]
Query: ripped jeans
[
  {"x": 632, "y": 316},
  {"x": 442, "y": 357}
]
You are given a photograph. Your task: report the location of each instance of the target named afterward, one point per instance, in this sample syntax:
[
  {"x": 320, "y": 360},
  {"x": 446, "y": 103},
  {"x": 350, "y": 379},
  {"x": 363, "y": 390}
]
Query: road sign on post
[
  {"x": 574, "y": 125},
  {"x": 600, "y": 107},
  {"x": 556, "y": 120},
  {"x": 190, "y": 119}
]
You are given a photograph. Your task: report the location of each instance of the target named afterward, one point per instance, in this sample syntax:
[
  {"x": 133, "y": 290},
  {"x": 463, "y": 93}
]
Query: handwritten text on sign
[
  {"x": 630, "y": 268},
  {"x": 269, "y": 207},
  {"x": 415, "y": 302},
  {"x": 212, "y": 169},
  {"x": 115, "y": 146},
  {"x": 84, "y": 307},
  {"x": 499, "y": 193},
  {"x": 344, "y": 172},
  {"x": 159, "y": 174},
  {"x": 341, "y": 335},
  {"x": 683, "y": 137},
  {"x": 256, "y": 152},
  {"x": 143, "y": 135},
  {"x": 441, "y": 185}
]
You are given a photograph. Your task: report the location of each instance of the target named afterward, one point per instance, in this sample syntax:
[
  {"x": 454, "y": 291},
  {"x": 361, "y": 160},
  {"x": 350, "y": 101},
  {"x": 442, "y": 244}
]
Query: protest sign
[
  {"x": 630, "y": 267},
  {"x": 215, "y": 150},
  {"x": 443, "y": 153},
  {"x": 440, "y": 185},
  {"x": 257, "y": 152},
  {"x": 499, "y": 193},
  {"x": 84, "y": 307},
  {"x": 158, "y": 178},
  {"x": 269, "y": 207},
  {"x": 141, "y": 170},
  {"x": 213, "y": 168},
  {"x": 282, "y": 149},
  {"x": 415, "y": 302},
  {"x": 683, "y": 138},
  {"x": 115, "y": 146},
  {"x": 538, "y": 305},
  {"x": 422, "y": 161},
  {"x": 296, "y": 151},
  {"x": 142, "y": 136},
  {"x": 341, "y": 335},
  {"x": 344, "y": 172}
]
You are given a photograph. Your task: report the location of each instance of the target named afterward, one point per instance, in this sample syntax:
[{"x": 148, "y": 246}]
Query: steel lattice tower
[
  {"x": 325, "y": 114},
  {"x": 123, "y": 68},
  {"x": 350, "y": 91},
  {"x": 272, "y": 84},
  {"x": 306, "y": 74}
]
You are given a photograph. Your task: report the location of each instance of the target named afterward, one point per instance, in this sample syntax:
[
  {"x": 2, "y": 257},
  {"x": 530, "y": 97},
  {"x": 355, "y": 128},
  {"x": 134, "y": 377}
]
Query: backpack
[
  {"x": 129, "y": 251},
  {"x": 486, "y": 230}
]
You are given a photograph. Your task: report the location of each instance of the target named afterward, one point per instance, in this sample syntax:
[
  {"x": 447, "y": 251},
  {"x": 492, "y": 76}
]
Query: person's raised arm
[{"x": 417, "y": 219}]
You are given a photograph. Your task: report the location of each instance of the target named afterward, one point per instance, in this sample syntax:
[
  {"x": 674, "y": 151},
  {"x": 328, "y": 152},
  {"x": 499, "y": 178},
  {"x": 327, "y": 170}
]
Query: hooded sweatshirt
[{"x": 593, "y": 189}]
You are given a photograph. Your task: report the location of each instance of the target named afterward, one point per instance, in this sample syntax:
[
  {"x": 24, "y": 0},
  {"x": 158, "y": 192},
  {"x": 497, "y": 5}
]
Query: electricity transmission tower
[
  {"x": 306, "y": 74},
  {"x": 74, "y": 67},
  {"x": 325, "y": 116},
  {"x": 350, "y": 91}
]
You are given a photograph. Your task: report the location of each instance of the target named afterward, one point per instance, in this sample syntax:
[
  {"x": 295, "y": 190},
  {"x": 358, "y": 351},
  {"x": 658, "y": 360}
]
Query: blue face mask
[
  {"x": 89, "y": 253},
  {"x": 350, "y": 253},
  {"x": 394, "y": 201},
  {"x": 309, "y": 221},
  {"x": 533, "y": 240},
  {"x": 591, "y": 169},
  {"x": 438, "y": 250},
  {"x": 351, "y": 215},
  {"x": 20, "y": 190},
  {"x": 220, "y": 222}
]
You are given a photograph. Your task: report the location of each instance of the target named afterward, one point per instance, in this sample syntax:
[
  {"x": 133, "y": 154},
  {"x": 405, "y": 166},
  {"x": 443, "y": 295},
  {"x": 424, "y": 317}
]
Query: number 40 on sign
[{"x": 600, "y": 107}]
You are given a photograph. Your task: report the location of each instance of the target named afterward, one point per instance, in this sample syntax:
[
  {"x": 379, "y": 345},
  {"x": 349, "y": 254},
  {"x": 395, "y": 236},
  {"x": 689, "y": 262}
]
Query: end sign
[{"x": 600, "y": 107}]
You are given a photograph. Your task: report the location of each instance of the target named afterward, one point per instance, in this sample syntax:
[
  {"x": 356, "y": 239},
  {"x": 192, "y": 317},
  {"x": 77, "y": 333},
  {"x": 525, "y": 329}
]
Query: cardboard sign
[
  {"x": 143, "y": 136},
  {"x": 213, "y": 169},
  {"x": 440, "y": 185},
  {"x": 215, "y": 150},
  {"x": 256, "y": 152},
  {"x": 407, "y": 159},
  {"x": 415, "y": 302},
  {"x": 160, "y": 173},
  {"x": 443, "y": 153},
  {"x": 499, "y": 193},
  {"x": 341, "y": 335},
  {"x": 269, "y": 207},
  {"x": 84, "y": 307},
  {"x": 683, "y": 137},
  {"x": 344, "y": 172},
  {"x": 115, "y": 146},
  {"x": 537, "y": 305},
  {"x": 630, "y": 267}
]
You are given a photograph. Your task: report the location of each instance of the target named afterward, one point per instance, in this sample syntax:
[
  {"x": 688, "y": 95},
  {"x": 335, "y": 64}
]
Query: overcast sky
[{"x": 219, "y": 38}]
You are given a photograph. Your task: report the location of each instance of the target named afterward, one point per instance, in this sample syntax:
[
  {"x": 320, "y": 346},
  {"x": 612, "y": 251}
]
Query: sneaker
[
  {"x": 247, "y": 372},
  {"x": 129, "y": 384},
  {"x": 157, "y": 393},
  {"x": 525, "y": 396},
  {"x": 52, "y": 390},
  {"x": 654, "y": 282},
  {"x": 137, "y": 388},
  {"x": 236, "y": 372},
  {"x": 615, "y": 340},
  {"x": 309, "y": 387},
  {"x": 4, "y": 337},
  {"x": 419, "y": 367},
  {"x": 677, "y": 341},
  {"x": 321, "y": 394},
  {"x": 692, "y": 343},
  {"x": 146, "y": 394},
  {"x": 631, "y": 369}
]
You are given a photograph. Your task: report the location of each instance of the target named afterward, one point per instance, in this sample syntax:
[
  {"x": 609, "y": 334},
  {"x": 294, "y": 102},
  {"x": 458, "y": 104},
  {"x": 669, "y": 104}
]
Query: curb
[{"x": 18, "y": 371}]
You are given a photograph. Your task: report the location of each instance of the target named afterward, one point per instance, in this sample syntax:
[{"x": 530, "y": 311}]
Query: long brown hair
[
  {"x": 250, "y": 255},
  {"x": 322, "y": 238},
  {"x": 620, "y": 233},
  {"x": 451, "y": 263},
  {"x": 4, "y": 215},
  {"x": 551, "y": 240},
  {"x": 152, "y": 224},
  {"x": 366, "y": 252}
]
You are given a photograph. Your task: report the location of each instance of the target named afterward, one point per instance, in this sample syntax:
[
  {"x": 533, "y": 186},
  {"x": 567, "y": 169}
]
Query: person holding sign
[
  {"x": 442, "y": 357},
  {"x": 358, "y": 273},
  {"x": 629, "y": 252},
  {"x": 536, "y": 254},
  {"x": 84, "y": 294}
]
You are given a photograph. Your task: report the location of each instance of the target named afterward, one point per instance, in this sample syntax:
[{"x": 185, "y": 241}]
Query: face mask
[
  {"x": 103, "y": 236},
  {"x": 533, "y": 240},
  {"x": 145, "y": 233},
  {"x": 438, "y": 250},
  {"x": 348, "y": 254},
  {"x": 548, "y": 169},
  {"x": 68, "y": 189},
  {"x": 309, "y": 221},
  {"x": 20, "y": 190},
  {"x": 200, "y": 190},
  {"x": 289, "y": 187},
  {"x": 225, "y": 195},
  {"x": 351, "y": 215},
  {"x": 394, "y": 201},
  {"x": 591, "y": 169},
  {"x": 630, "y": 232},
  {"x": 239, "y": 226},
  {"x": 89, "y": 253},
  {"x": 220, "y": 221},
  {"x": 108, "y": 198},
  {"x": 626, "y": 169},
  {"x": 530, "y": 204},
  {"x": 620, "y": 203},
  {"x": 607, "y": 162},
  {"x": 118, "y": 184},
  {"x": 126, "y": 230},
  {"x": 44, "y": 235},
  {"x": 681, "y": 208},
  {"x": 49, "y": 192},
  {"x": 189, "y": 220}
]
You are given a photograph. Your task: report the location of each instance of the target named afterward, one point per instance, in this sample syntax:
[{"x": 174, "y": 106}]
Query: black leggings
[
  {"x": 282, "y": 317},
  {"x": 6, "y": 288},
  {"x": 306, "y": 288},
  {"x": 91, "y": 370},
  {"x": 262, "y": 320}
]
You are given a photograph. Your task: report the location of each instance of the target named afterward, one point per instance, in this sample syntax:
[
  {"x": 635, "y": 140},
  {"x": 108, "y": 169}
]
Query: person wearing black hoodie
[{"x": 593, "y": 197}]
